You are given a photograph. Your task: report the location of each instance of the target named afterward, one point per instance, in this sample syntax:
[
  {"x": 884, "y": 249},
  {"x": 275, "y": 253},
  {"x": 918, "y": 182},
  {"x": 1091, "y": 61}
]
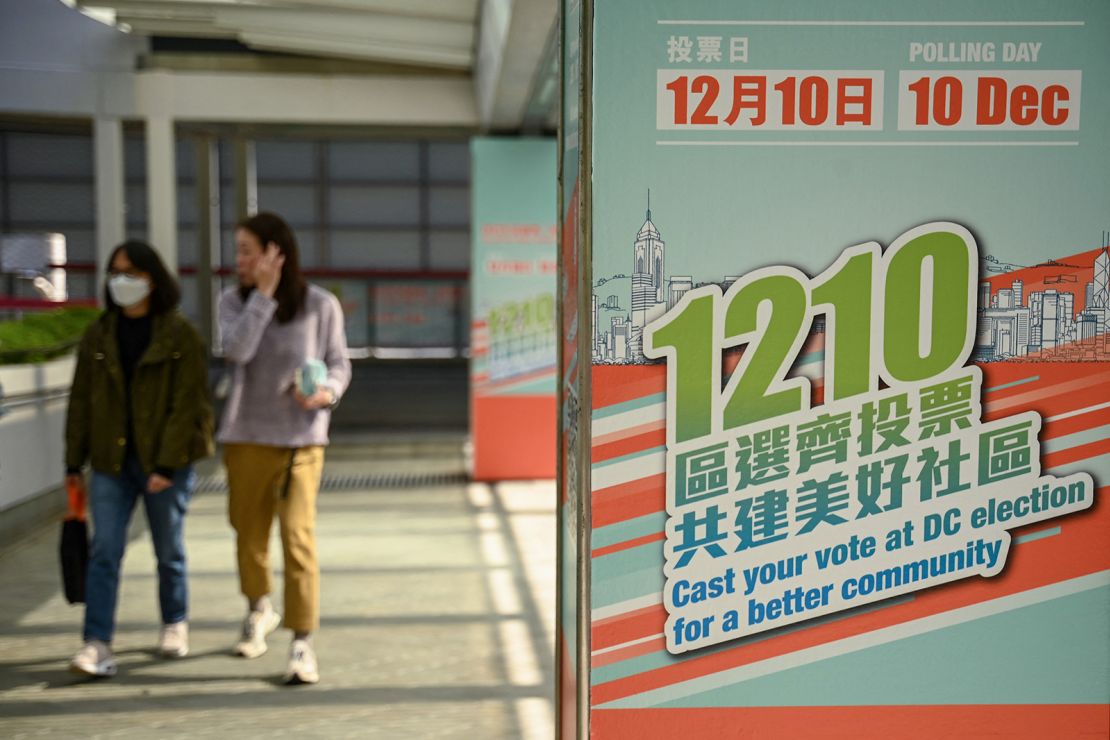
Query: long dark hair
[
  {"x": 165, "y": 294},
  {"x": 292, "y": 288}
]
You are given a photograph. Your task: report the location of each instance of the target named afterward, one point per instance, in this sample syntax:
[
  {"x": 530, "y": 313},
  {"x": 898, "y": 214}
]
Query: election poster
[
  {"x": 513, "y": 335},
  {"x": 849, "y": 347}
]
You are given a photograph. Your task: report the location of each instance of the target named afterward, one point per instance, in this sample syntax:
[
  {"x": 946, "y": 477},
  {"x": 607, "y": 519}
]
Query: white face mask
[{"x": 127, "y": 291}]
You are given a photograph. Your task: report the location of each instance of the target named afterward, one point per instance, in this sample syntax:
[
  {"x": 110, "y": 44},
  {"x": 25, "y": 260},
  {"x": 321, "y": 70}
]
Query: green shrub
[{"x": 43, "y": 336}]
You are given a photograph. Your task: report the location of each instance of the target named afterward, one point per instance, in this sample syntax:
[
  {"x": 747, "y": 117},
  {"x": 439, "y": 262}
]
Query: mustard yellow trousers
[{"x": 264, "y": 481}]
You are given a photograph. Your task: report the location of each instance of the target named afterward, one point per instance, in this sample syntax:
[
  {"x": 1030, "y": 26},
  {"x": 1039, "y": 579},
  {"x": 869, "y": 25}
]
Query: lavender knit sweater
[{"x": 263, "y": 355}]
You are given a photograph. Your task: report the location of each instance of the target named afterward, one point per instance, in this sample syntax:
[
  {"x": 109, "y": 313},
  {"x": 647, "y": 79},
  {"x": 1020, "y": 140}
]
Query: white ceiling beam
[
  {"x": 462, "y": 10},
  {"x": 147, "y": 8},
  {"x": 306, "y": 99},
  {"x": 370, "y": 27},
  {"x": 163, "y": 27},
  {"x": 512, "y": 38},
  {"x": 458, "y": 10},
  {"x": 293, "y": 26},
  {"x": 262, "y": 98},
  {"x": 352, "y": 48}
]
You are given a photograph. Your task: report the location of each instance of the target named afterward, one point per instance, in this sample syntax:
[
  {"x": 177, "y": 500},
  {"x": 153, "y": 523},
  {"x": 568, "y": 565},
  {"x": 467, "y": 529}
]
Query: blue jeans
[{"x": 112, "y": 499}]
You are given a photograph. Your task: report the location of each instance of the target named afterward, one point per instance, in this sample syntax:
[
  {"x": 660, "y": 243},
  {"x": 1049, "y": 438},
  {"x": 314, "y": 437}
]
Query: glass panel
[
  {"x": 374, "y": 160},
  {"x": 450, "y": 250},
  {"x": 135, "y": 205},
  {"x": 190, "y": 305},
  {"x": 375, "y": 250},
  {"x": 284, "y": 160},
  {"x": 295, "y": 203},
  {"x": 415, "y": 313},
  {"x": 227, "y": 160},
  {"x": 186, "y": 205},
  {"x": 80, "y": 285},
  {"x": 187, "y": 247},
  {"x": 80, "y": 245},
  {"x": 308, "y": 244},
  {"x": 228, "y": 209},
  {"x": 449, "y": 161},
  {"x": 46, "y": 204},
  {"x": 134, "y": 158},
  {"x": 365, "y": 206},
  {"x": 185, "y": 158},
  {"x": 227, "y": 247},
  {"x": 449, "y": 206},
  {"x": 49, "y": 155}
]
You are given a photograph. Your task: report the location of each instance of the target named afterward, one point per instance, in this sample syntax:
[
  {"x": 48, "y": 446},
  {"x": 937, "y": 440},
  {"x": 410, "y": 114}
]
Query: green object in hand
[{"x": 313, "y": 374}]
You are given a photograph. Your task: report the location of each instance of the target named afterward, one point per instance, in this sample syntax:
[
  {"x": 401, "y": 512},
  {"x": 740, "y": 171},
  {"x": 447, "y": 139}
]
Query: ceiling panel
[
  {"x": 356, "y": 49},
  {"x": 435, "y": 33}
]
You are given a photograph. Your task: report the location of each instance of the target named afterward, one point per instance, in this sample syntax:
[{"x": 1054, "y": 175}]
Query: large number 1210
[{"x": 900, "y": 316}]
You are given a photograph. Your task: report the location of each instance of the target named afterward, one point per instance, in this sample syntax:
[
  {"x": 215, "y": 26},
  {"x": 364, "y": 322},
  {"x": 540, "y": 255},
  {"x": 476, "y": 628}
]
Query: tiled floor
[{"x": 437, "y": 621}]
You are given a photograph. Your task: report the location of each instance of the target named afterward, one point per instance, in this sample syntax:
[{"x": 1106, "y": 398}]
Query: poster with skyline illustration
[{"x": 849, "y": 390}]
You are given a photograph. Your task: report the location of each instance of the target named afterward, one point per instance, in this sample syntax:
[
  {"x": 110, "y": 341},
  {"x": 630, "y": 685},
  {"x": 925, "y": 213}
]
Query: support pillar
[
  {"x": 111, "y": 226},
  {"x": 161, "y": 189}
]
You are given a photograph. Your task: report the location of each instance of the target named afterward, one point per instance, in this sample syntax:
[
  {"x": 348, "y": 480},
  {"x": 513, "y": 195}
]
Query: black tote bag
[{"x": 74, "y": 547}]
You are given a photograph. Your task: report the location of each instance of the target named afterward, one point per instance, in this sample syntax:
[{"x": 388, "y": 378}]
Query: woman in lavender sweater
[{"x": 273, "y": 435}]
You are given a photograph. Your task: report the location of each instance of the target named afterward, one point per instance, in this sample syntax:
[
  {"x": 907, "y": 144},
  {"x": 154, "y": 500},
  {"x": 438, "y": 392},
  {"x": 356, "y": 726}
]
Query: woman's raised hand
[{"x": 267, "y": 270}]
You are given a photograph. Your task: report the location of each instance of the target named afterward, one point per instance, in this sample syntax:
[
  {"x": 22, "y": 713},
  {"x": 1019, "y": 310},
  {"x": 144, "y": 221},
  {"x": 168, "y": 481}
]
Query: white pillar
[
  {"x": 110, "y": 202},
  {"x": 246, "y": 179},
  {"x": 161, "y": 189}
]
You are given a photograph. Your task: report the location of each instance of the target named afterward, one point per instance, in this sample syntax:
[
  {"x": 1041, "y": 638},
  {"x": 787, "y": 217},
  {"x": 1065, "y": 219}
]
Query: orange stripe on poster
[
  {"x": 997, "y": 374},
  {"x": 628, "y": 627},
  {"x": 1092, "y": 384},
  {"x": 1076, "y": 454},
  {"x": 629, "y": 500},
  {"x": 613, "y": 384},
  {"x": 1077, "y": 423},
  {"x": 633, "y": 651},
  {"x": 651, "y": 426},
  {"x": 629, "y": 544},
  {"x": 614, "y": 631},
  {"x": 639, "y": 443},
  {"x": 1082, "y": 548},
  {"x": 1010, "y": 721}
]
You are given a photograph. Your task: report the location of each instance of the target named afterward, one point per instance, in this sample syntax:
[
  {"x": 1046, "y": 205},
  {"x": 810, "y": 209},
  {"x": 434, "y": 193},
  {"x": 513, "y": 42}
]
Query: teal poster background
[
  {"x": 707, "y": 206},
  {"x": 725, "y": 208}
]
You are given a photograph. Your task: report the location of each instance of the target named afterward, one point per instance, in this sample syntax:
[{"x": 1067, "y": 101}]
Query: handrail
[
  {"x": 8, "y": 403},
  {"x": 10, "y": 302}
]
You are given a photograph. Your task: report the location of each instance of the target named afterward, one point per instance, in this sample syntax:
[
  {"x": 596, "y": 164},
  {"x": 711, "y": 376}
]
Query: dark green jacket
[{"x": 171, "y": 409}]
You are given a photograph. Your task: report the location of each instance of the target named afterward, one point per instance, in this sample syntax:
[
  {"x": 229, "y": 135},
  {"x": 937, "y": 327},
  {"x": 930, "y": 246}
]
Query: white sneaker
[
  {"x": 94, "y": 659},
  {"x": 174, "y": 641},
  {"x": 252, "y": 642},
  {"x": 302, "y": 664}
]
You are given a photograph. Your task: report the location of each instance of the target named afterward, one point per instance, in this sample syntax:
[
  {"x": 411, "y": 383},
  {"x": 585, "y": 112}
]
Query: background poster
[
  {"x": 729, "y": 137},
  {"x": 513, "y": 341}
]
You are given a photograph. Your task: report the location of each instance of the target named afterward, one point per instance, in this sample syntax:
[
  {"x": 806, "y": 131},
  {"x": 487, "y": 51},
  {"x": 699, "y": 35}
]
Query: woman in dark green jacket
[{"x": 139, "y": 415}]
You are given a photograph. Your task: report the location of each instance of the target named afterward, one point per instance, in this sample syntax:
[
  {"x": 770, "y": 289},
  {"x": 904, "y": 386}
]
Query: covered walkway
[{"x": 437, "y": 616}]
